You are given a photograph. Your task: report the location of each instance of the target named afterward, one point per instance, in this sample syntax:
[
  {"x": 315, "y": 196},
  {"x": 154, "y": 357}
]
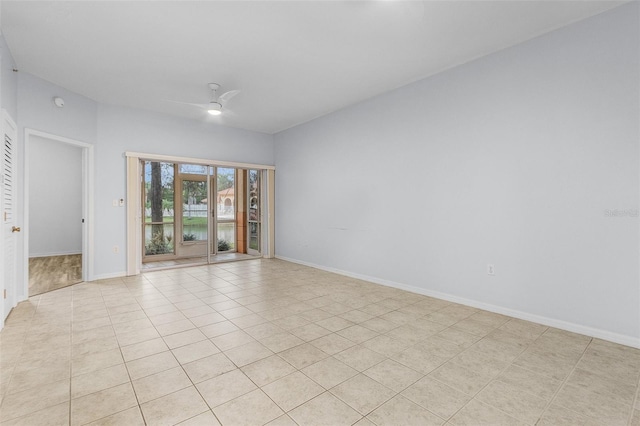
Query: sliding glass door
[{"x": 195, "y": 212}]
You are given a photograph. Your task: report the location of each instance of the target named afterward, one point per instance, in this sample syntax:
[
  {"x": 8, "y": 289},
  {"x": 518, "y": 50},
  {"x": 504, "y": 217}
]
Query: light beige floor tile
[
  {"x": 205, "y": 419},
  {"x": 126, "y": 327},
  {"x": 218, "y": 329},
  {"x": 292, "y": 390},
  {"x": 183, "y": 338},
  {"x": 208, "y": 367},
  {"x": 151, "y": 364},
  {"x": 622, "y": 369},
  {"x": 24, "y": 378},
  {"x": 263, "y": 330},
  {"x": 329, "y": 372},
  {"x": 542, "y": 386},
  {"x": 334, "y": 324},
  {"x": 231, "y": 340},
  {"x": 129, "y": 417},
  {"x": 401, "y": 411},
  {"x": 98, "y": 380},
  {"x": 380, "y": 325},
  {"x": 102, "y": 404},
  {"x": 436, "y": 397},
  {"x": 356, "y": 316},
  {"x": 137, "y": 336},
  {"x": 194, "y": 351},
  {"x": 143, "y": 349},
  {"x": 225, "y": 387},
  {"x": 174, "y": 327},
  {"x": 386, "y": 345},
  {"x": 324, "y": 410},
  {"x": 524, "y": 328},
  {"x": 283, "y": 420},
  {"x": 458, "y": 336},
  {"x": 303, "y": 355},
  {"x": 252, "y": 408},
  {"x": 174, "y": 408},
  {"x": 605, "y": 408},
  {"x": 360, "y": 357},
  {"x": 248, "y": 353},
  {"x": 292, "y": 321},
  {"x": 362, "y": 393},
  {"x": 309, "y": 332},
  {"x": 418, "y": 360},
  {"x": 393, "y": 375},
  {"x": 51, "y": 416},
  {"x": 476, "y": 413},
  {"x": 87, "y": 335},
  {"x": 90, "y": 324},
  {"x": 281, "y": 342},
  {"x": 514, "y": 401},
  {"x": 94, "y": 346},
  {"x": 96, "y": 361},
  {"x": 461, "y": 378},
  {"x": 332, "y": 343},
  {"x": 480, "y": 363},
  {"x": 160, "y": 384},
  {"x": 268, "y": 370},
  {"x": 497, "y": 349},
  {"x": 207, "y": 319},
  {"x": 560, "y": 416}
]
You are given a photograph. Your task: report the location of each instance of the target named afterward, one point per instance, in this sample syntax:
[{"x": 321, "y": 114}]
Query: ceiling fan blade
[{"x": 226, "y": 97}]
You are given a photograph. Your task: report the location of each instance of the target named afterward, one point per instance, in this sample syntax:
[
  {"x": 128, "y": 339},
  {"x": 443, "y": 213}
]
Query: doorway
[
  {"x": 55, "y": 215},
  {"x": 196, "y": 214},
  {"x": 58, "y": 212}
]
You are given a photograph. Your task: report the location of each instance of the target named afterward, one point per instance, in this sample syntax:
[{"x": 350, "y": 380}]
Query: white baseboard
[
  {"x": 551, "y": 322},
  {"x": 58, "y": 253}
]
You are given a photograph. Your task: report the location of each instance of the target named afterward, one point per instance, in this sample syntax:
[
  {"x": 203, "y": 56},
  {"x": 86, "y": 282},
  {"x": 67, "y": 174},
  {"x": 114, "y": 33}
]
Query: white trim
[
  {"x": 87, "y": 201},
  {"x": 58, "y": 253},
  {"x": 203, "y": 161},
  {"x": 551, "y": 322},
  {"x": 134, "y": 210}
]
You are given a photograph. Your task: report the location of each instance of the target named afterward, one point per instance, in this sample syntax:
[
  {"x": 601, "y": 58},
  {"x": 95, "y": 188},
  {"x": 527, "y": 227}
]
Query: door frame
[
  {"x": 7, "y": 121},
  {"x": 134, "y": 200},
  {"x": 87, "y": 201}
]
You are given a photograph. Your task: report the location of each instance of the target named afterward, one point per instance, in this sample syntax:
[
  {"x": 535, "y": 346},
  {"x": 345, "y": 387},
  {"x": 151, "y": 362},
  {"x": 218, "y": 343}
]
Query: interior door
[
  {"x": 254, "y": 218},
  {"x": 8, "y": 215}
]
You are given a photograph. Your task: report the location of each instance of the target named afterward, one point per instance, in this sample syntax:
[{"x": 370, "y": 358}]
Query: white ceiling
[{"x": 293, "y": 60}]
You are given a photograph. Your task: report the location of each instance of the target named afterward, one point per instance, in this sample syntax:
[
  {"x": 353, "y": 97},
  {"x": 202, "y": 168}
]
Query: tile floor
[
  {"x": 270, "y": 342},
  {"x": 198, "y": 260}
]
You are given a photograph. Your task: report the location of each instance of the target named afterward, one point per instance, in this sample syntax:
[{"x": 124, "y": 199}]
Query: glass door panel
[
  {"x": 159, "y": 219},
  {"x": 254, "y": 216},
  {"x": 225, "y": 209},
  {"x": 194, "y": 210}
]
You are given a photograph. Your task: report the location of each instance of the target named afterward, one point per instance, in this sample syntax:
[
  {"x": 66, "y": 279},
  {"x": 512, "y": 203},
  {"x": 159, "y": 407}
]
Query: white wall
[
  {"x": 122, "y": 129},
  {"x": 55, "y": 198},
  {"x": 512, "y": 160},
  {"x": 115, "y": 130}
]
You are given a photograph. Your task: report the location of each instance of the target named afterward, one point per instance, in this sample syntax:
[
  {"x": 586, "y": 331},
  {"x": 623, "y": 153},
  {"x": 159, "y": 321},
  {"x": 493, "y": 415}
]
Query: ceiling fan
[{"x": 215, "y": 106}]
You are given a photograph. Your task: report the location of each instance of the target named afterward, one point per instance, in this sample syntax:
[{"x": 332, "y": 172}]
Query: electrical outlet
[
  {"x": 114, "y": 203},
  {"x": 116, "y": 249},
  {"x": 491, "y": 269}
]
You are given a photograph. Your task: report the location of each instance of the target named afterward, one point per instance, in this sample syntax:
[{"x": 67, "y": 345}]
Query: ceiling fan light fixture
[{"x": 214, "y": 108}]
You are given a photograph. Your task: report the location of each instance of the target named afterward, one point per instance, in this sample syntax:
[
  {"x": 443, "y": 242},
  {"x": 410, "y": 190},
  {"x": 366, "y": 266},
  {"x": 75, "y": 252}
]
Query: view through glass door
[{"x": 196, "y": 214}]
